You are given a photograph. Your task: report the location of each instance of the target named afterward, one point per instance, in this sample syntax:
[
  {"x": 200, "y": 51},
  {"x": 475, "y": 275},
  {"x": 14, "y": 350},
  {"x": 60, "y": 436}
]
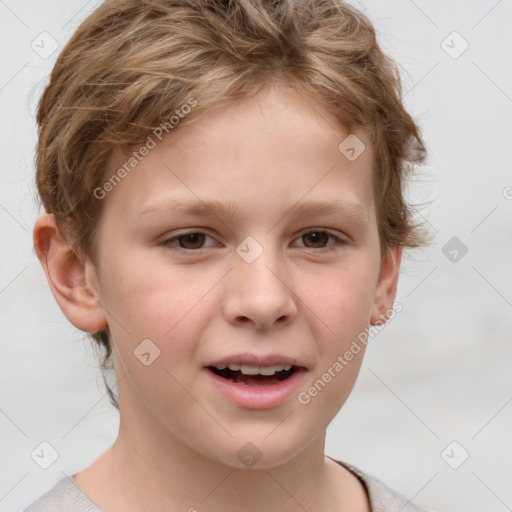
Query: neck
[{"x": 164, "y": 474}]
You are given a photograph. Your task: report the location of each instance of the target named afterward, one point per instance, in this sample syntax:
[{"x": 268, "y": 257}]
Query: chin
[{"x": 260, "y": 453}]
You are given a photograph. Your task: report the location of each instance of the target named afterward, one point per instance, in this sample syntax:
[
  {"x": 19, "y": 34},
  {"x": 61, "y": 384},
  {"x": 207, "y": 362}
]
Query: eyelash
[{"x": 337, "y": 241}]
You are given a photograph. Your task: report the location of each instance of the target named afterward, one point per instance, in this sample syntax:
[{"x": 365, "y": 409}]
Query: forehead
[
  {"x": 276, "y": 147},
  {"x": 279, "y": 119}
]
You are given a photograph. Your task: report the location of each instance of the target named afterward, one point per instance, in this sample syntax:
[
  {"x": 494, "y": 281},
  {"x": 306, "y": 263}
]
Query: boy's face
[{"x": 250, "y": 282}]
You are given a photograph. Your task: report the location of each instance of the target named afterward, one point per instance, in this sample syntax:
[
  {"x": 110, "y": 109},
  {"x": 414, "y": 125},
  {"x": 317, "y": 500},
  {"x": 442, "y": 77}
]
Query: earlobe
[
  {"x": 385, "y": 292},
  {"x": 74, "y": 289}
]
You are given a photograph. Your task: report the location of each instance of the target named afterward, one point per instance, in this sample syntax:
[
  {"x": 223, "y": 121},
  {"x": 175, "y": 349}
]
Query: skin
[{"x": 306, "y": 297}]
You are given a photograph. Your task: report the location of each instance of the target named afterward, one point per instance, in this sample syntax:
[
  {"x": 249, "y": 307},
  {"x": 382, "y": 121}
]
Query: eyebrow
[
  {"x": 229, "y": 209},
  {"x": 340, "y": 209},
  {"x": 179, "y": 206}
]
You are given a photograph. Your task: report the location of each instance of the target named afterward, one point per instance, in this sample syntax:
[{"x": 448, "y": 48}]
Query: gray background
[{"x": 437, "y": 373}]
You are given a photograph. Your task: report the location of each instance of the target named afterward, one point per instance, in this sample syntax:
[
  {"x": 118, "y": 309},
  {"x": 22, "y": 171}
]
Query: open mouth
[{"x": 254, "y": 376}]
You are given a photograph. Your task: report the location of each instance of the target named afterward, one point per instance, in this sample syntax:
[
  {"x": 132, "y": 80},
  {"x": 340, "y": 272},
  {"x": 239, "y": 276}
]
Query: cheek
[
  {"x": 152, "y": 300},
  {"x": 339, "y": 306},
  {"x": 162, "y": 389},
  {"x": 341, "y": 299},
  {"x": 155, "y": 324},
  {"x": 154, "y": 316}
]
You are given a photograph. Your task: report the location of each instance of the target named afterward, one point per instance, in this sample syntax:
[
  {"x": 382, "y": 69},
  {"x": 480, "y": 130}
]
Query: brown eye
[
  {"x": 191, "y": 240},
  {"x": 189, "y": 243},
  {"x": 318, "y": 239}
]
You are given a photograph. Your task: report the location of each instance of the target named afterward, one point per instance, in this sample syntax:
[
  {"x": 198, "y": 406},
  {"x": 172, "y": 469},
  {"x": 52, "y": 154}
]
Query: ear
[
  {"x": 385, "y": 292},
  {"x": 74, "y": 283}
]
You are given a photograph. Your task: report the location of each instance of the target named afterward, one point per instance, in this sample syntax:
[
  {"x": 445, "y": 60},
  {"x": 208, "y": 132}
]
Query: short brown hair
[{"x": 131, "y": 64}]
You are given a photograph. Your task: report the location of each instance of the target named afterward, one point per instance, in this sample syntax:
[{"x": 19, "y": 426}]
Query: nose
[{"x": 260, "y": 293}]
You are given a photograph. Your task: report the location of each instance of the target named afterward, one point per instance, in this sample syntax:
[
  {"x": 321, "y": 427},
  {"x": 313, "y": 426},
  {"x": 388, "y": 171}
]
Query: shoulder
[
  {"x": 66, "y": 496},
  {"x": 382, "y": 498}
]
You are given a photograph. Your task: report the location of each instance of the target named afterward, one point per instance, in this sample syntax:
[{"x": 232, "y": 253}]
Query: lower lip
[{"x": 265, "y": 396}]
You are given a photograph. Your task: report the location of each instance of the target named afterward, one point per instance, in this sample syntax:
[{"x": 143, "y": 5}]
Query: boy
[{"x": 222, "y": 184}]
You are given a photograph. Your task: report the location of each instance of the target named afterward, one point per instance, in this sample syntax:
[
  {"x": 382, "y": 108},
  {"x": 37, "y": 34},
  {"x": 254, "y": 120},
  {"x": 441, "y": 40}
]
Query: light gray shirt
[{"x": 67, "y": 496}]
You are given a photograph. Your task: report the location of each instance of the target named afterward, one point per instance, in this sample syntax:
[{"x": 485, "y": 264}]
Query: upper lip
[{"x": 256, "y": 360}]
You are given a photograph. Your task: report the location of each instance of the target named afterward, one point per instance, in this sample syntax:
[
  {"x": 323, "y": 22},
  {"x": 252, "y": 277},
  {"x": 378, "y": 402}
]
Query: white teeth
[
  {"x": 248, "y": 369},
  {"x": 267, "y": 370}
]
